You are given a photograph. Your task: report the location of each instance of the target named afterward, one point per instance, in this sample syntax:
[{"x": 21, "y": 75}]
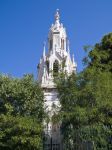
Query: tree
[
  {"x": 100, "y": 56},
  {"x": 86, "y": 101},
  {"x": 21, "y": 113}
]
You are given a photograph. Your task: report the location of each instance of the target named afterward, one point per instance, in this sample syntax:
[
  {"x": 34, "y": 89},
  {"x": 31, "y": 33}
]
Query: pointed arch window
[
  {"x": 47, "y": 64},
  {"x": 55, "y": 68},
  {"x": 51, "y": 43},
  {"x": 62, "y": 44}
]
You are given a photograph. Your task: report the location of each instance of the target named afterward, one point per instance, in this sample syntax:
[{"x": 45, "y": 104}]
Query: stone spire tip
[
  {"x": 44, "y": 44},
  {"x": 57, "y": 15},
  {"x": 68, "y": 43}
]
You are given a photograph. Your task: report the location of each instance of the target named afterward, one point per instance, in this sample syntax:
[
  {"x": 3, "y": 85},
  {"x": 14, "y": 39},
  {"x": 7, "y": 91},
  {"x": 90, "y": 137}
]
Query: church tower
[{"x": 51, "y": 64}]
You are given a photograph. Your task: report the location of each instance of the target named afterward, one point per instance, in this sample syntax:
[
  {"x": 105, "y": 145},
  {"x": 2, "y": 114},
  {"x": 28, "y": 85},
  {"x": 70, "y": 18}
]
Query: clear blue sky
[{"x": 24, "y": 25}]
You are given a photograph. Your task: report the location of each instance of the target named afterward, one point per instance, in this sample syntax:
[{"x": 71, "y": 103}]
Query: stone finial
[
  {"x": 57, "y": 19},
  {"x": 44, "y": 44},
  {"x": 57, "y": 15},
  {"x": 68, "y": 48},
  {"x": 73, "y": 59}
]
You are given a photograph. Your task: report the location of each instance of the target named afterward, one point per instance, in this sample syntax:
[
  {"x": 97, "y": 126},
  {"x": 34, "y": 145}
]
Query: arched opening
[
  {"x": 55, "y": 68},
  {"x": 62, "y": 44},
  {"x": 47, "y": 64},
  {"x": 51, "y": 44}
]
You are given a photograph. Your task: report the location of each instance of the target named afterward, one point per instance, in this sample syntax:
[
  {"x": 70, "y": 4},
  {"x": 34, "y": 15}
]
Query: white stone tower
[{"x": 50, "y": 64}]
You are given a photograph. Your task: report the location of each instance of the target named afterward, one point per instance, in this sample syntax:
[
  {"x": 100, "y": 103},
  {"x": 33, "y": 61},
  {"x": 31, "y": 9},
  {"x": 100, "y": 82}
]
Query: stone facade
[{"x": 50, "y": 64}]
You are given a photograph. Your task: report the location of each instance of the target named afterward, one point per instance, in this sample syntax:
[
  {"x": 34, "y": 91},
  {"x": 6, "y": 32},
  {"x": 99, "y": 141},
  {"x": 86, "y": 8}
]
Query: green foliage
[
  {"x": 21, "y": 113},
  {"x": 86, "y": 102},
  {"x": 86, "y": 111},
  {"x": 101, "y": 55}
]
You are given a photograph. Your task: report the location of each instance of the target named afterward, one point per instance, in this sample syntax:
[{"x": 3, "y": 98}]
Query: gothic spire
[
  {"x": 73, "y": 59},
  {"x": 44, "y": 50},
  {"x": 68, "y": 43}
]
